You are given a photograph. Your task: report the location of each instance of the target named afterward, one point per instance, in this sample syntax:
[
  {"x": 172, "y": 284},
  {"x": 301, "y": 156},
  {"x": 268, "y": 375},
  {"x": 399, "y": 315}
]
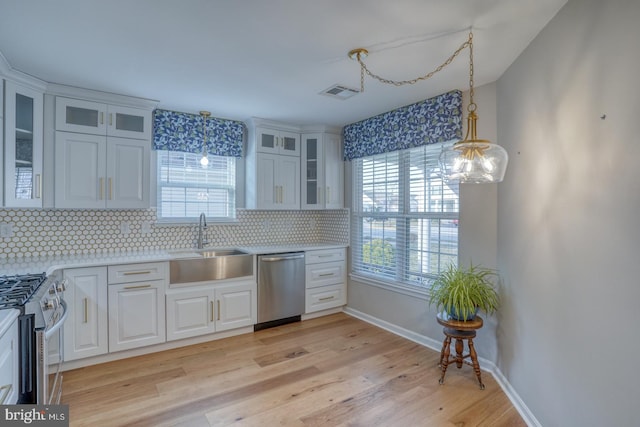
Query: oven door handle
[{"x": 52, "y": 330}]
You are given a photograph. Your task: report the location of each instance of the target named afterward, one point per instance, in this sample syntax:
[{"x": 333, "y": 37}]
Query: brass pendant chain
[
  {"x": 472, "y": 105},
  {"x": 364, "y": 69}
]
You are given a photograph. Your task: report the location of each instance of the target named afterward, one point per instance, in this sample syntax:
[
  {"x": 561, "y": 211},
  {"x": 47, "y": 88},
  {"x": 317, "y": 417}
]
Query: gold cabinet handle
[
  {"x": 101, "y": 117},
  {"x": 212, "y": 311},
  {"x": 132, "y": 273},
  {"x": 325, "y": 298},
  {"x": 137, "y": 287},
  {"x": 38, "y": 186},
  {"x": 110, "y": 189},
  {"x": 101, "y": 184},
  {"x": 85, "y": 304},
  {"x": 6, "y": 390},
  {"x": 325, "y": 274},
  {"x": 110, "y": 119},
  {"x": 218, "y": 309}
]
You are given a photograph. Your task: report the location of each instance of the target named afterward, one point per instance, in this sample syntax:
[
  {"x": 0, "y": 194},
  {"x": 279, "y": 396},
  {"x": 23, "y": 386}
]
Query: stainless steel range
[{"x": 42, "y": 314}]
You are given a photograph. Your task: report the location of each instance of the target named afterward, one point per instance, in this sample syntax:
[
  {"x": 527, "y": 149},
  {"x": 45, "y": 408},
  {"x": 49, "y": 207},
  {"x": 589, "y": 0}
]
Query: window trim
[
  {"x": 385, "y": 282},
  {"x": 168, "y": 222}
]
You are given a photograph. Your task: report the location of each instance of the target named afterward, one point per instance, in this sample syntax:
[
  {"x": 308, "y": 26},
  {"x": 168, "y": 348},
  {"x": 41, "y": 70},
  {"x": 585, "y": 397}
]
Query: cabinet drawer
[
  {"x": 325, "y": 297},
  {"x": 136, "y": 272},
  {"x": 325, "y": 255},
  {"x": 327, "y": 273}
]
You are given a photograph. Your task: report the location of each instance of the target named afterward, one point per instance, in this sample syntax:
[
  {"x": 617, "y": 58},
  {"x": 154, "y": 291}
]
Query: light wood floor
[{"x": 330, "y": 371}]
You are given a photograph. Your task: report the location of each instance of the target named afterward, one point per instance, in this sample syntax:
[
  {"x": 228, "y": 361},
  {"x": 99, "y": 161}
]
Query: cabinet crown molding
[
  {"x": 99, "y": 96},
  {"x": 10, "y": 73}
]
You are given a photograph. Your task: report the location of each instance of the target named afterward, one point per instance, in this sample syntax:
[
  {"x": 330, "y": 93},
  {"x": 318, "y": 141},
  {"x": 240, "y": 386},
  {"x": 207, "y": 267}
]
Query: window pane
[
  {"x": 186, "y": 189},
  {"x": 405, "y": 217}
]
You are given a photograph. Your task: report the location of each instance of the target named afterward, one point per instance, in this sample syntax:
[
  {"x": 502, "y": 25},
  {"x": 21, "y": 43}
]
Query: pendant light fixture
[
  {"x": 204, "y": 161},
  {"x": 471, "y": 160}
]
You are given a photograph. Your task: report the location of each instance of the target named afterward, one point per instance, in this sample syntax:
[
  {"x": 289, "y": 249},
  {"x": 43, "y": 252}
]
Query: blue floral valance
[
  {"x": 184, "y": 132},
  {"x": 436, "y": 119}
]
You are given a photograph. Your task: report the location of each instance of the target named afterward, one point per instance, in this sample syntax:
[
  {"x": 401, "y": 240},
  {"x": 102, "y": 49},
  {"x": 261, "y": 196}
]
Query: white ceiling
[{"x": 266, "y": 58}]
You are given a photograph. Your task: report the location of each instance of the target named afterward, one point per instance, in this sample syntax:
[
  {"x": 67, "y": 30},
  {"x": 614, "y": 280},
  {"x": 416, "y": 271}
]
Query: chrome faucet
[{"x": 202, "y": 229}]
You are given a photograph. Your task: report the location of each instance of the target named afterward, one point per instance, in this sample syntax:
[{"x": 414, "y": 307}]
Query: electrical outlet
[
  {"x": 145, "y": 227},
  {"x": 266, "y": 225},
  {"x": 6, "y": 230},
  {"x": 125, "y": 228},
  {"x": 312, "y": 223}
]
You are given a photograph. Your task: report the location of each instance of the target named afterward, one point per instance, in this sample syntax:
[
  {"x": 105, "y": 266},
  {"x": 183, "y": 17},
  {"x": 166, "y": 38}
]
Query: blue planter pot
[{"x": 453, "y": 313}]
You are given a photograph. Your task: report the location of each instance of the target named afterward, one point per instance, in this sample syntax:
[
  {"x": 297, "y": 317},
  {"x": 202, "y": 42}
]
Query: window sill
[
  {"x": 191, "y": 222},
  {"x": 396, "y": 287}
]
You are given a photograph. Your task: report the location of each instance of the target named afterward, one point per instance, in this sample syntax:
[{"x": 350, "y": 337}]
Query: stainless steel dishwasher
[{"x": 281, "y": 289}]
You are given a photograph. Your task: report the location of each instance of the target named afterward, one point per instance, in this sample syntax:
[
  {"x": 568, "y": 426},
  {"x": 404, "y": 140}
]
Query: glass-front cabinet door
[
  {"x": 278, "y": 142},
  {"x": 76, "y": 115},
  {"x": 23, "y": 146},
  {"x": 312, "y": 170}
]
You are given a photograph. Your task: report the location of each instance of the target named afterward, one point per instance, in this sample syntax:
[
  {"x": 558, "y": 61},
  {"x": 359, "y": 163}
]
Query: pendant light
[
  {"x": 204, "y": 161},
  {"x": 471, "y": 160}
]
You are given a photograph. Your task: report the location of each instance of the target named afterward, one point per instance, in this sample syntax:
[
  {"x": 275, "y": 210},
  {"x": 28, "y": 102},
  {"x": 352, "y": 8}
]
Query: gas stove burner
[{"x": 16, "y": 290}]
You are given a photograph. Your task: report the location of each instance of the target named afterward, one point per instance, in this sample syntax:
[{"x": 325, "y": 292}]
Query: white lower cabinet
[
  {"x": 190, "y": 312},
  {"x": 325, "y": 279},
  {"x": 236, "y": 304},
  {"x": 86, "y": 329},
  {"x": 136, "y": 315},
  {"x": 204, "y": 309}
]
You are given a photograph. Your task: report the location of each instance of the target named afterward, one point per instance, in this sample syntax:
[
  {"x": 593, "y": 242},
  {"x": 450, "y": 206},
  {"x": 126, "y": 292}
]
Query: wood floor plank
[{"x": 330, "y": 371}]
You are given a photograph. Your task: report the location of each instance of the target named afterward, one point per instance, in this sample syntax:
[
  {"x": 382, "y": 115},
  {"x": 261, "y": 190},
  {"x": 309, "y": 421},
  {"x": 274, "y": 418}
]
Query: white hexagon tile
[{"x": 41, "y": 232}]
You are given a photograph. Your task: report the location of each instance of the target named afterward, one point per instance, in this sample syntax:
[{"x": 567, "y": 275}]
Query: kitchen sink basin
[
  {"x": 210, "y": 253},
  {"x": 204, "y": 265}
]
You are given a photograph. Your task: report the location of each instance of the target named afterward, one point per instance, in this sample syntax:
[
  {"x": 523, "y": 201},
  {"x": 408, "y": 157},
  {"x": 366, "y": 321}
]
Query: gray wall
[{"x": 568, "y": 218}]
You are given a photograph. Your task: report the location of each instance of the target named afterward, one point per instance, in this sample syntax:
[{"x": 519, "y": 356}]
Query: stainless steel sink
[
  {"x": 210, "y": 253},
  {"x": 203, "y": 265}
]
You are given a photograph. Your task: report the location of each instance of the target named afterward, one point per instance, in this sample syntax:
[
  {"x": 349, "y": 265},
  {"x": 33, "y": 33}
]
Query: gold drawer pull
[
  {"x": 325, "y": 274},
  {"x": 325, "y": 256},
  {"x": 131, "y": 273},
  {"x": 218, "y": 309},
  {"x": 212, "y": 311},
  {"x": 326, "y": 298},
  {"x": 137, "y": 287},
  {"x": 85, "y": 304}
]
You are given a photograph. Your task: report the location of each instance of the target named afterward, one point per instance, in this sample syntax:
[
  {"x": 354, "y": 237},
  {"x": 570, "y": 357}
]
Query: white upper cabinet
[
  {"x": 74, "y": 115},
  {"x": 94, "y": 172},
  {"x": 23, "y": 143},
  {"x": 272, "y": 167},
  {"x": 322, "y": 171},
  {"x": 278, "y": 142},
  {"x": 102, "y": 155}
]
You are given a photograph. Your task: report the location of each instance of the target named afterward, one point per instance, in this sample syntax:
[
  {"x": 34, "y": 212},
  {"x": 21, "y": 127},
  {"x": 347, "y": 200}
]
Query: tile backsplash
[{"x": 42, "y": 232}]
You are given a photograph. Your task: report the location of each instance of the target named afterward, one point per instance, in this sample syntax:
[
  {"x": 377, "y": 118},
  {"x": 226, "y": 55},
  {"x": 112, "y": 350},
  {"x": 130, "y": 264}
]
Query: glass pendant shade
[
  {"x": 474, "y": 160},
  {"x": 204, "y": 161}
]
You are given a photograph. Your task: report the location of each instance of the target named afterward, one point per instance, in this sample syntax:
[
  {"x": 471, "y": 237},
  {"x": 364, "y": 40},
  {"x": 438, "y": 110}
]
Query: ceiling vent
[{"x": 339, "y": 92}]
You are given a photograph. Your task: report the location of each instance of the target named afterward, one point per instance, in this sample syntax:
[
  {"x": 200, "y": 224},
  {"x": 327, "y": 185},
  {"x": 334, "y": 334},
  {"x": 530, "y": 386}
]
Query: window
[
  {"x": 186, "y": 189},
  {"x": 405, "y": 217}
]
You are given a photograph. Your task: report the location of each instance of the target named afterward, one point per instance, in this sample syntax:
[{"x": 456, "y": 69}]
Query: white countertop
[
  {"x": 49, "y": 264},
  {"x": 6, "y": 319}
]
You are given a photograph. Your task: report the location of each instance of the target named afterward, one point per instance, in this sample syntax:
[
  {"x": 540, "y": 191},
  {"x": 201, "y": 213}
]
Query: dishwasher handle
[{"x": 281, "y": 258}]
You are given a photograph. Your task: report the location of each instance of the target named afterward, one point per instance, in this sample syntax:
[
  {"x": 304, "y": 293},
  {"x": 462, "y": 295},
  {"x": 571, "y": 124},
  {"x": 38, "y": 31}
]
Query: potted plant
[{"x": 461, "y": 292}]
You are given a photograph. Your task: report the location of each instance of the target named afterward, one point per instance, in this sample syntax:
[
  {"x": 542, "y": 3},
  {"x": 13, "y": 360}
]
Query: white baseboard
[{"x": 485, "y": 365}]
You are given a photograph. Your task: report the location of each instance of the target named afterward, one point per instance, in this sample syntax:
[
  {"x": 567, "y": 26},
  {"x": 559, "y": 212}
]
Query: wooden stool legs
[{"x": 445, "y": 360}]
